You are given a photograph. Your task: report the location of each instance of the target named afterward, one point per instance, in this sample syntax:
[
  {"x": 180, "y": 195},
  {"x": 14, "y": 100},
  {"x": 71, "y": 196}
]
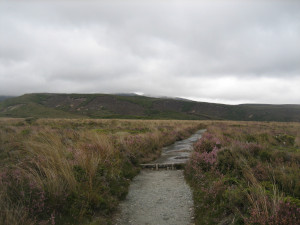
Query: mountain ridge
[{"x": 59, "y": 105}]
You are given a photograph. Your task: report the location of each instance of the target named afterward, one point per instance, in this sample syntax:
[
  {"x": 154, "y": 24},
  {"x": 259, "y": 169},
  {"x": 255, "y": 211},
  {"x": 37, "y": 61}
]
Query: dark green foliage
[
  {"x": 285, "y": 139},
  {"x": 188, "y": 106},
  {"x": 265, "y": 156},
  {"x": 139, "y": 100},
  {"x": 80, "y": 174},
  {"x": 227, "y": 163},
  {"x": 250, "y": 138}
]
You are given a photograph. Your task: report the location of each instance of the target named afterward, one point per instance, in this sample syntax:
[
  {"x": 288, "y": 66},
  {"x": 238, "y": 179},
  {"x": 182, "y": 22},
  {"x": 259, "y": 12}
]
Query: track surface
[{"x": 160, "y": 197}]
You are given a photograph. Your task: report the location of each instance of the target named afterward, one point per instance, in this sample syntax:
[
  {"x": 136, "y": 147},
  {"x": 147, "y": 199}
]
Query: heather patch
[{"x": 246, "y": 173}]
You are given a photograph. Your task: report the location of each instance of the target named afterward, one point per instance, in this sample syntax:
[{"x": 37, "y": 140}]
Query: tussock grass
[
  {"x": 49, "y": 163},
  {"x": 58, "y": 171}
]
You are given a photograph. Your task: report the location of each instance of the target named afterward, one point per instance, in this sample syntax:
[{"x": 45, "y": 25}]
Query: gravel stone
[
  {"x": 157, "y": 198},
  {"x": 160, "y": 197}
]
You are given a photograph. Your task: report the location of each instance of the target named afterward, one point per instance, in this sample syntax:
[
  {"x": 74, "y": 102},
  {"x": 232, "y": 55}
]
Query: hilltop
[{"x": 46, "y": 105}]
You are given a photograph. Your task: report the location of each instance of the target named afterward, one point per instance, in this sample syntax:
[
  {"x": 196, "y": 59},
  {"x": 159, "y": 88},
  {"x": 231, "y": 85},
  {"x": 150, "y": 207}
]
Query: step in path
[{"x": 159, "y": 195}]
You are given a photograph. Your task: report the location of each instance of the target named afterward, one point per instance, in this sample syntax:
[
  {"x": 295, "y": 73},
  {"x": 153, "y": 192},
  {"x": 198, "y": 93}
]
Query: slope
[{"x": 141, "y": 107}]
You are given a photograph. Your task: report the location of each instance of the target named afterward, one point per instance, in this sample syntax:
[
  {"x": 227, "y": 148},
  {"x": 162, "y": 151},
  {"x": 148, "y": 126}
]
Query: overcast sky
[{"x": 218, "y": 51}]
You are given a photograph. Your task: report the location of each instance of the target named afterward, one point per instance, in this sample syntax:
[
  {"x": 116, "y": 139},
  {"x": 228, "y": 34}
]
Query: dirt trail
[{"x": 160, "y": 197}]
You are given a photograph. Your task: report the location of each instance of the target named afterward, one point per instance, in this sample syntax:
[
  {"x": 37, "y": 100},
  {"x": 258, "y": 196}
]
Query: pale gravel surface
[
  {"x": 160, "y": 197},
  {"x": 157, "y": 198}
]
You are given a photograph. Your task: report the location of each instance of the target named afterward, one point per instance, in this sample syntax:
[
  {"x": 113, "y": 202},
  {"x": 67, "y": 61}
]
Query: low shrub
[{"x": 251, "y": 178}]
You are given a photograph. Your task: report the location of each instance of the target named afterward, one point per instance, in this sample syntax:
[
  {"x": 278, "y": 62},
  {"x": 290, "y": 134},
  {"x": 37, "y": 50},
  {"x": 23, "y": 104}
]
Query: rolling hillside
[{"x": 133, "y": 106}]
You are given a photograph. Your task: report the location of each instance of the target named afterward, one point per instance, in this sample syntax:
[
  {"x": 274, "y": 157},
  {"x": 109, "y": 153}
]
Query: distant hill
[
  {"x": 136, "y": 106},
  {"x": 3, "y": 97}
]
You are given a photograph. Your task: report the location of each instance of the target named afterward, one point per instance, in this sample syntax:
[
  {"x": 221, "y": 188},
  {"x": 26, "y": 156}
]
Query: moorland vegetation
[
  {"x": 75, "y": 171},
  {"x": 46, "y": 105},
  {"x": 59, "y": 171},
  {"x": 247, "y": 173}
]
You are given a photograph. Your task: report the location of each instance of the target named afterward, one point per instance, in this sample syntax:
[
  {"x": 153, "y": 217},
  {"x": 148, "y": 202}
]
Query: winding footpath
[{"x": 160, "y": 197}]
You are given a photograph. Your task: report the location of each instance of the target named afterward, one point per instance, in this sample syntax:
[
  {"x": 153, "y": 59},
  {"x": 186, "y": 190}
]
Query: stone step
[{"x": 157, "y": 166}]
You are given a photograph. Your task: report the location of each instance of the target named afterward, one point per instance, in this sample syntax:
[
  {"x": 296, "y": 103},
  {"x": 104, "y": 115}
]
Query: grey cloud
[{"x": 218, "y": 50}]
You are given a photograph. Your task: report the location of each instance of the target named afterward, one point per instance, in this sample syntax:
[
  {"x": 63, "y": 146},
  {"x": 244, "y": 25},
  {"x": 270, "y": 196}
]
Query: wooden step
[{"x": 171, "y": 166}]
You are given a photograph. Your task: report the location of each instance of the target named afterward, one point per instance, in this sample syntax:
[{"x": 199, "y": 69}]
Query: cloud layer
[{"x": 218, "y": 51}]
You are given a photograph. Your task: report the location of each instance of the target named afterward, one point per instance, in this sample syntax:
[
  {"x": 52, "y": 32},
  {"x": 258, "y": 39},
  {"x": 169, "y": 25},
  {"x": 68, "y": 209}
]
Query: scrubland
[
  {"x": 63, "y": 171},
  {"x": 246, "y": 173}
]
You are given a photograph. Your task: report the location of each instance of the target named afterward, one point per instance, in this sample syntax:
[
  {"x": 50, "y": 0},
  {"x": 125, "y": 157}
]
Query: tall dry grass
[
  {"x": 57, "y": 171},
  {"x": 49, "y": 163}
]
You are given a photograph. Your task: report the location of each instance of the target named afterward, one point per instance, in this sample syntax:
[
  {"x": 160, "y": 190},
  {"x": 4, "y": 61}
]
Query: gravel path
[
  {"x": 160, "y": 197},
  {"x": 157, "y": 198}
]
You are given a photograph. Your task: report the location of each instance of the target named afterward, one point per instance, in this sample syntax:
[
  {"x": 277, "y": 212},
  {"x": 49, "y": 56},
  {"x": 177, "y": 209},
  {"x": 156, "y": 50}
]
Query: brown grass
[{"x": 62, "y": 171}]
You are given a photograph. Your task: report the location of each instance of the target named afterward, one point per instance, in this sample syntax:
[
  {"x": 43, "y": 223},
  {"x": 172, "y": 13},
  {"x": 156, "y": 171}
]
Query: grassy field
[
  {"x": 69, "y": 171},
  {"x": 247, "y": 173}
]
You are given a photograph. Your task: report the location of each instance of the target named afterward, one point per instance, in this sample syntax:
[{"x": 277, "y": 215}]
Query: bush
[
  {"x": 207, "y": 143},
  {"x": 285, "y": 139},
  {"x": 227, "y": 163}
]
